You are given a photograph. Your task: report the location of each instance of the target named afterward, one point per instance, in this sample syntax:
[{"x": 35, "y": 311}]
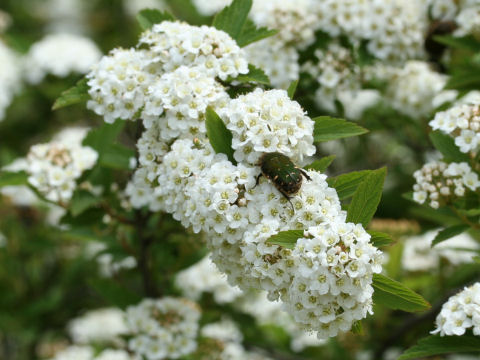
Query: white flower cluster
[
  {"x": 108, "y": 265},
  {"x": 163, "y": 329},
  {"x": 460, "y": 313},
  {"x": 331, "y": 286},
  {"x": 296, "y": 20},
  {"x": 336, "y": 72},
  {"x": 204, "y": 277},
  {"x": 54, "y": 167},
  {"x": 465, "y": 13},
  {"x": 60, "y": 55},
  {"x": 128, "y": 81},
  {"x": 98, "y": 326},
  {"x": 394, "y": 28},
  {"x": 411, "y": 89},
  {"x": 210, "y": 7},
  {"x": 462, "y": 122},
  {"x": 439, "y": 182},
  {"x": 268, "y": 121},
  {"x": 9, "y": 77},
  {"x": 418, "y": 254},
  {"x": 208, "y": 193},
  {"x": 76, "y": 352}
]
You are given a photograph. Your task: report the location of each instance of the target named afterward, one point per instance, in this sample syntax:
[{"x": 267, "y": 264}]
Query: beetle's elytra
[{"x": 282, "y": 172}]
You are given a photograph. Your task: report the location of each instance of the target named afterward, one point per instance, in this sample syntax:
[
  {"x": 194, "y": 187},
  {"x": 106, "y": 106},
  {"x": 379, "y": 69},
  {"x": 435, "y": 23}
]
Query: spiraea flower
[
  {"x": 460, "y": 313},
  {"x": 163, "y": 329},
  {"x": 462, "y": 122},
  {"x": 210, "y": 7},
  {"x": 60, "y": 55},
  {"x": 173, "y": 44},
  {"x": 331, "y": 285},
  {"x": 268, "y": 121},
  {"x": 439, "y": 183},
  {"x": 54, "y": 167}
]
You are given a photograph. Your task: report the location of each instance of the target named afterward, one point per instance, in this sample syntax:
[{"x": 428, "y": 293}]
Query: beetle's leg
[
  {"x": 288, "y": 199},
  {"x": 304, "y": 173},
  {"x": 258, "y": 179}
]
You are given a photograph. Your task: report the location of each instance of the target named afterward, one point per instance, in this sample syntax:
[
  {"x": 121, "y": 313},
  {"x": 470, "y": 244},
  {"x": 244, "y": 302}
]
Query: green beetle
[{"x": 282, "y": 172}]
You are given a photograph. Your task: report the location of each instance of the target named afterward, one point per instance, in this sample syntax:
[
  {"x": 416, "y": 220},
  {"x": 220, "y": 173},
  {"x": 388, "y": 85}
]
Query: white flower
[
  {"x": 60, "y": 55},
  {"x": 10, "y": 77}
]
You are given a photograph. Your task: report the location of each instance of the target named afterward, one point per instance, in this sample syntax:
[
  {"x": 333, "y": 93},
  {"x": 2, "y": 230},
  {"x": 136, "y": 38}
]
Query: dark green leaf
[
  {"x": 328, "y": 128},
  {"x": 250, "y": 33},
  {"x": 117, "y": 157},
  {"x": 379, "y": 239},
  {"x": 437, "y": 345},
  {"x": 464, "y": 81},
  {"x": 13, "y": 178},
  {"x": 470, "y": 212},
  {"x": 466, "y": 42},
  {"x": 287, "y": 239},
  {"x": 74, "y": 95},
  {"x": 321, "y": 164},
  {"x": 292, "y": 88},
  {"x": 232, "y": 18},
  {"x": 449, "y": 232},
  {"x": 255, "y": 75},
  {"x": 219, "y": 136},
  {"x": 367, "y": 197},
  {"x": 446, "y": 145},
  {"x": 346, "y": 184},
  {"x": 149, "y": 17},
  {"x": 396, "y": 296},
  {"x": 81, "y": 201}
]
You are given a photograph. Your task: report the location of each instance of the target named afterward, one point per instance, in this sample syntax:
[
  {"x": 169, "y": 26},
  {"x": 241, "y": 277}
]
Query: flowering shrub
[{"x": 214, "y": 186}]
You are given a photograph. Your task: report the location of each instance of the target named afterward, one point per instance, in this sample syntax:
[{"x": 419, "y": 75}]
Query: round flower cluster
[
  {"x": 336, "y": 72},
  {"x": 60, "y": 55},
  {"x": 54, "y": 167},
  {"x": 163, "y": 329},
  {"x": 279, "y": 61},
  {"x": 411, "y": 89},
  {"x": 462, "y": 122},
  {"x": 418, "y": 254},
  {"x": 460, "y": 312},
  {"x": 101, "y": 325},
  {"x": 296, "y": 20},
  {"x": 128, "y": 81},
  {"x": 210, "y": 7},
  {"x": 183, "y": 95},
  {"x": 9, "y": 78},
  {"x": 173, "y": 44},
  {"x": 394, "y": 28},
  {"x": 439, "y": 182},
  {"x": 268, "y": 121},
  {"x": 88, "y": 353},
  {"x": 331, "y": 286}
]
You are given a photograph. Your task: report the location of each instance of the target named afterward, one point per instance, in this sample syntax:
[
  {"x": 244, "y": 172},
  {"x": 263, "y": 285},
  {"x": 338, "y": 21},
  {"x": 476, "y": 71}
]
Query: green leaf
[
  {"x": 219, "y": 136},
  {"x": 233, "y": 18},
  {"x": 367, "y": 197},
  {"x": 449, "y": 232},
  {"x": 464, "y": 81},
  {"x": 292, "y": 88},
  {"x": 149, "y": 17},
  {"x": 117, "y": 157},
  {"x": 346, "y": 184},
  {"x": 396, "y": 296},
  {"x": 287, "y": 239},
  {"x": 250, "y": 33},
  {"x": 321, "y": 164},
  {"x": 470, "y": 212},
  {"x": 255, "y": 75},
  {"x": 81, "y": 201},
  {"x": 379, "y": 239},
  {"x": 437, "y": 345},
  {"x": 465, "y": 42},
  {"x": 357, "y": 328},
  {"x": 446, "y": 145},
  {"x": 328, "y": 128},
  {"x": 476, "y": 259},
  {"x": 75, "y": 95},
  {"x": 8, "y": 178}
]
